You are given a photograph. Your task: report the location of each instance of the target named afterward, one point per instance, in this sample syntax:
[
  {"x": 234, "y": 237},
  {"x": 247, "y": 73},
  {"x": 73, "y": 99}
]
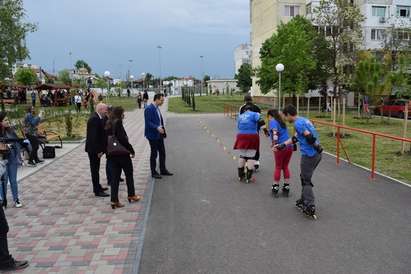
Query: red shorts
[{"x": 247, "y": 142}]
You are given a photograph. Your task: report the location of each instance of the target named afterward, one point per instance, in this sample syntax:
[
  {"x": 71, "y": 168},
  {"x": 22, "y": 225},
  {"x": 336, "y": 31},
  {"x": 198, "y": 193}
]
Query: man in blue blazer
[{"x": 155, "y": 133}]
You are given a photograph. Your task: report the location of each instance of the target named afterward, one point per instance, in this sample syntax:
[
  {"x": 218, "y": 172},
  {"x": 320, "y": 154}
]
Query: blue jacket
[{"x": 152, "y": 122}]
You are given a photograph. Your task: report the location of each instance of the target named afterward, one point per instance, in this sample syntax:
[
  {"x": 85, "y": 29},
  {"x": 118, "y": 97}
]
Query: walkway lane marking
[{"x": 218, "y": 140}]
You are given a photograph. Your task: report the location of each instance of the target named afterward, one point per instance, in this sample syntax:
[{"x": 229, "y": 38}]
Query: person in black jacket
[
  {"x": 122, "y": 161},
  {"x": 96, "y": 143},
  {"x": 145, "y": 98}
]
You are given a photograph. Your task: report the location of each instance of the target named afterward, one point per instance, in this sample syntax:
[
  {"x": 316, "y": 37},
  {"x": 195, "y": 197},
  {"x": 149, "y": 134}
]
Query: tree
[
  {"x": 244, "y": 81},
  {"x": 82, "y": 64},
  {"x": 293, "y": 46},
  {"x": 206, "y": 79},
  {"x": 340, "y": 21},
  {"x": 64, "y": 77},
  {"x": 26, "y": 76},
  {"x": 101, "y": 83},
  {"x": 148, "y": 80},
  {"x": 13, "y": 32}
]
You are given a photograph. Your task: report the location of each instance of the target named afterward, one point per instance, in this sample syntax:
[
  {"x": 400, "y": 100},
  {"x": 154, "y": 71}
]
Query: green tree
[
  {"x": 292, "y": 46},
  {"x": 206, "y": 79},
  {"x": 26, "y": 76},
  {"x": 82, "y": 64},
  {"x": 244, "y": 81},
  {"x": 101, "y": 83},
  {"x": 341, "y": 22},
  {"x": 13, "y": 31},
  {"x": 64, "y": 77}
]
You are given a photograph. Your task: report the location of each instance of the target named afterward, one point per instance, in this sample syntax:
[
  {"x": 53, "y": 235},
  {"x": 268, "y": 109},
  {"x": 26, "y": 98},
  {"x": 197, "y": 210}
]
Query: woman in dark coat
[{"x": 121, "y": 161}]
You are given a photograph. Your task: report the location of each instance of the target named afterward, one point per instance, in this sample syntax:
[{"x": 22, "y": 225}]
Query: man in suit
[
  {"x": 96, "y": 144},
  {"x": 155, "y": 134}
]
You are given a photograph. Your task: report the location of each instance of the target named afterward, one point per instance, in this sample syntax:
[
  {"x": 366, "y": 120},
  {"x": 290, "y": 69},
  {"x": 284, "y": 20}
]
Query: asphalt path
[{"x": 203, "y": 220}]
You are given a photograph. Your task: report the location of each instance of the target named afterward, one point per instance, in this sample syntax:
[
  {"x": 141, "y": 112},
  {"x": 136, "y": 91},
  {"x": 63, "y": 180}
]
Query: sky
[{"x": 109, "y": 33}]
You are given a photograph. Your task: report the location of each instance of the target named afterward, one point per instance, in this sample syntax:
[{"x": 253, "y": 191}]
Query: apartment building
[{"x": 242, "y": 55}]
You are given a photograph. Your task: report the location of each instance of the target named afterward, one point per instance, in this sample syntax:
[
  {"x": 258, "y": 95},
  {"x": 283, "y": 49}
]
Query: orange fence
[{"x": 232, "y": 111}]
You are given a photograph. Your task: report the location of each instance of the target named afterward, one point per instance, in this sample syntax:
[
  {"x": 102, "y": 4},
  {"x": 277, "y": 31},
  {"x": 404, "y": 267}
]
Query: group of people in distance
[{"x": 250, "y": 122}]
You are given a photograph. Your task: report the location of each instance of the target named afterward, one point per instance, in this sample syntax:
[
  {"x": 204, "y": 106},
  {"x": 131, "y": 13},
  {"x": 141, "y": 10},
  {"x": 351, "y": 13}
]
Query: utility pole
[{"x": 159, "y": 62}]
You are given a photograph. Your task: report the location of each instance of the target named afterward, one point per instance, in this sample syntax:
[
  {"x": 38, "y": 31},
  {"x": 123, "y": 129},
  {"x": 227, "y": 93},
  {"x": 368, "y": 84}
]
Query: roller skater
[
  {"x": 247, "y": 142},
  {"x": 249, "y": 105},
  {"x": 279, "y": 134},
  {"x": 311, "y": 154}
]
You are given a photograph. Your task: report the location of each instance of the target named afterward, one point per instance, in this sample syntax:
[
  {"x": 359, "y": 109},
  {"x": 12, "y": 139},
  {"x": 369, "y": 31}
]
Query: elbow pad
[
  {"x": 294, "y": 140},
  {"x": 310, "y": 139}
]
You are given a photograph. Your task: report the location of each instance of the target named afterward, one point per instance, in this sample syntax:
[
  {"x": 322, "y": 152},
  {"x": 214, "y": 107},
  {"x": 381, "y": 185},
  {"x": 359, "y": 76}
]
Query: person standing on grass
[
  {"x": 139, "y": 100},
  {"x": 33, "y": 98},
  {"x": 31, "y": 123},
  {"x": 145, "y": 98},
  {"x": 311, "y": 154},
  {"x": 121, "y": 161},
  {"x": 155, "y": 133},
  {"x": 96, "y": 143},
  {"x": 77, "y": 102},
  {"x": 279, "y": 134}
]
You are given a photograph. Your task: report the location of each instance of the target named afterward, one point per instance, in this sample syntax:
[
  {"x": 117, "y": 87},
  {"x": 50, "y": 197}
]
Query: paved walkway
[
  {"x": 63, "y": 228},
  {"x": 203, "y": 221}
]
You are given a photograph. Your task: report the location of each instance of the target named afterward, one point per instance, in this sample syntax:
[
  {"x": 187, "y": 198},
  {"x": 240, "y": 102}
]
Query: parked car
[{"x": 395, "y": 108}]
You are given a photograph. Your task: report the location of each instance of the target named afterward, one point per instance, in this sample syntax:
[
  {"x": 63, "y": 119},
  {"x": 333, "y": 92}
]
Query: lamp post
[
  {"x": 131, "y": 81},
  {"x": 143, "y": 76},
  {"x": 159, "y": 62},
  {"x": 202, "y": 74},
  {"x": 279, "y": 68},
  {"x": 107, "y": 75}
]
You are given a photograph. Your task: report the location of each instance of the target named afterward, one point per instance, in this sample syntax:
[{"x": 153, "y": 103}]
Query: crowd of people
[
  {"x": 251, "y": 122},
  {"x": 106, "y": 136}
]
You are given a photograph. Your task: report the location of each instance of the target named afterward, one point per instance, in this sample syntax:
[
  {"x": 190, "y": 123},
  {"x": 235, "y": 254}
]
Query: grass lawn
[
  {"x": 358, "y": 146},
  {"x": 206, "y": 104}
]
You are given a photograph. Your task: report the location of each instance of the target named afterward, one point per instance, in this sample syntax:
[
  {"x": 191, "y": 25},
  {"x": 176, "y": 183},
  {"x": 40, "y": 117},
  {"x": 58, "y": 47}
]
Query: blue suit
[{"x": 154, "y": 120}]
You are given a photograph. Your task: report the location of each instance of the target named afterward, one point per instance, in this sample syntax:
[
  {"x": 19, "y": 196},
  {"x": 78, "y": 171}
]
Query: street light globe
[
  {"x": 131, "y": 77},
  {"x": 279, "y": 67},
  {"x": 107, "y": 73}
]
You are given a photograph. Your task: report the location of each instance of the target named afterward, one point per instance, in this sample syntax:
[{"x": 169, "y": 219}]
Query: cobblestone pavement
[{"x": 63, "y": 228}]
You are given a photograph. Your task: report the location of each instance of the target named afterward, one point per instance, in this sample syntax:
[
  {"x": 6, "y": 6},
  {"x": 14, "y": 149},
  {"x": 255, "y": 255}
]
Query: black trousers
[
  {"x": 109, "y": 171},
  {"x": 5, "y": 257},
  {"x": 118, "y": 164},
  {"x": 95, "y": 172},
  {"x": 157, "y": 148},
  {"x": 34, "y": 141}
]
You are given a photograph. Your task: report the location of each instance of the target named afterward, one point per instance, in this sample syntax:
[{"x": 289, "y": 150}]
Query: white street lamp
[
  {"x": 279, "y": 68},
  {"x": 107, "y": 75}
]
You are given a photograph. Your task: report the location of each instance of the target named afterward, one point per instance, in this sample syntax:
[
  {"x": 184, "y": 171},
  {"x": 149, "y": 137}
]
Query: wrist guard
[
  {"x": 281, "y": 146},
  {"x": 310, "y": 139},
  {"x": 294, "y": 140}
]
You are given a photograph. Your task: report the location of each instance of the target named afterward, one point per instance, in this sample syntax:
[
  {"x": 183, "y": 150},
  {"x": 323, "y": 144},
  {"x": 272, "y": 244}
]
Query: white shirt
[{"x": 77, "y": 99}]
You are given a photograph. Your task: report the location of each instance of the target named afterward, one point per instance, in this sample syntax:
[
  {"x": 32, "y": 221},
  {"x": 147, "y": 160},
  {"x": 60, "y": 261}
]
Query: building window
[
  {"x": 291, "y": 11},
  {"x": 403, "y": 35},
  {"x": 403, "y": 11},
  {"x": 377, "y": 34},
  {"x": 378, "y": 11}
]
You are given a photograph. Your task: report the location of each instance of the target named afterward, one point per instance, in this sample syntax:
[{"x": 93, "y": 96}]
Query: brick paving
[{"x": 63, "y": 228}]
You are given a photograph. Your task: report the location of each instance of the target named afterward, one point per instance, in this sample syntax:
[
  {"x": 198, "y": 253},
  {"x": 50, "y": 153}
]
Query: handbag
[
  {"x": 114, "y": 148},
  {"x": 49, "y": 152}
]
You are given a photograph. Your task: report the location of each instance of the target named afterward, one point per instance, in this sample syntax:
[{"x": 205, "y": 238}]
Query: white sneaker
[{"x": 18, "y": 204}]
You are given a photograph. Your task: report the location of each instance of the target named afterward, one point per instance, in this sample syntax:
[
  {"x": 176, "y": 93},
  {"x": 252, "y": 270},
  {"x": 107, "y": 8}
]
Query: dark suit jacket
[
  {"x": 152, "y": 122},
  {"x": 122, "y": 137},
  {"x": 96, "y": 141}
]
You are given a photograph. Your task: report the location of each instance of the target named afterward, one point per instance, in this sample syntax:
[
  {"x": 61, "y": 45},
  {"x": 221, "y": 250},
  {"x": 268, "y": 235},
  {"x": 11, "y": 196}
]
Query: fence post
[
  {"x": 373, "y": 156},
  {"x": 338, "y": 145},
  {"x": 404, "y": 135}
]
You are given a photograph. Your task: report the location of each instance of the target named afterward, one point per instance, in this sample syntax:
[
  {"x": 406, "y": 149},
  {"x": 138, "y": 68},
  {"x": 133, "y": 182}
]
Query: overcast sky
[{"x": 107, "y": 33}]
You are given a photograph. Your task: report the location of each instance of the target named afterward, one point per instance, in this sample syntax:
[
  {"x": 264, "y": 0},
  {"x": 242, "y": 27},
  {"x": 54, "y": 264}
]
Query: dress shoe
[
  {"x": 135, "y": 198},
  {"x": 156, "y": 176},
  {"x": 116, "y": 205},
  {"x": 121, "y": 180},
  {"x": 167, "y": 173},
  {"x": 14, "y": 265},
  {"x": 39, "y": 161},
  {"x": 102, "y": 194},
  {"x": 104, "y": 188}
]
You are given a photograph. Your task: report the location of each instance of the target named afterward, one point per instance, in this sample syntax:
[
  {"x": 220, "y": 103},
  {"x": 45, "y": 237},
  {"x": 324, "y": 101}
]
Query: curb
[
  {"x": 49, "y": 163},
  {"x": 369, "y": 170},
  {"x": 140, "y": 246}
]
